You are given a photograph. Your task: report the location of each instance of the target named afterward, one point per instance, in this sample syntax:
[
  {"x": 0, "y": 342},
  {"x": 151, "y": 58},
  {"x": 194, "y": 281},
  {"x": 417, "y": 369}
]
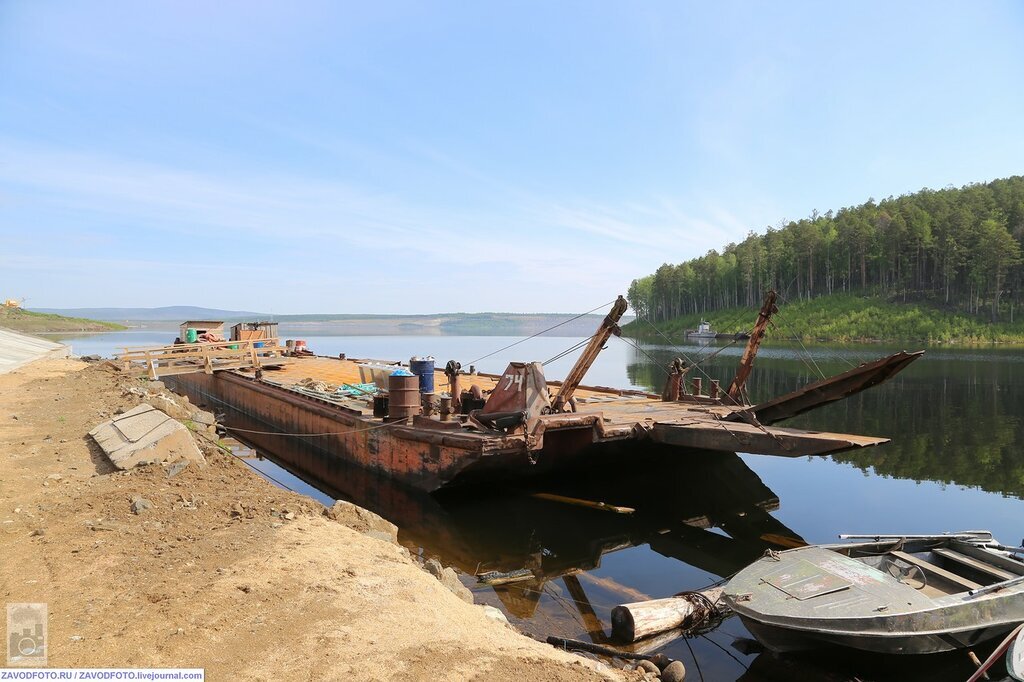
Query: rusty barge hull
[
  {"x": 423, "y": 459},
  {"x": 428, "y": 454}
]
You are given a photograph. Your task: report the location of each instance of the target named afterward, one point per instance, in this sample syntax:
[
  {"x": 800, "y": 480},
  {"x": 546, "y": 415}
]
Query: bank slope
[
  {"x": 845, "y": 318},
  {"x": 23, "y": 320}
]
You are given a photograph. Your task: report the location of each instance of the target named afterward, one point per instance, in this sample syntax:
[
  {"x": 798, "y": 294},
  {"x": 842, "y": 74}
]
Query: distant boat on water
[{"x": 704, "y": 331}]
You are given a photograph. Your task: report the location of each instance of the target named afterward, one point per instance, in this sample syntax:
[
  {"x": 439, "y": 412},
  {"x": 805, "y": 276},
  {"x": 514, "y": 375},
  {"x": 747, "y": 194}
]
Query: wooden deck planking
[{"x": 335, "y": 372}]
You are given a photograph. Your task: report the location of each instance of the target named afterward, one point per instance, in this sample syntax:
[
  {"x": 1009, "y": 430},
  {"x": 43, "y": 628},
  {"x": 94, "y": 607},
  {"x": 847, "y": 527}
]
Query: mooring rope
[
  {"x": 312, "y": 435},
  {"x": 694, "y": 657},
  {"x": 706, "y": 638}
]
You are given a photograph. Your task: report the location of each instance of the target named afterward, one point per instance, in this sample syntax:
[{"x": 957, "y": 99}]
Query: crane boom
[
  {"x": 750, "y": 352},
  {"x": 609, "y": 326}
]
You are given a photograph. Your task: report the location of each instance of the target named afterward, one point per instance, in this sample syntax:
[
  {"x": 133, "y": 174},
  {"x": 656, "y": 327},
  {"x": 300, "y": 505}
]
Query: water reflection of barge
[
  {"x": 678, "y": 503},
  {"x": 527, "y": 425}
]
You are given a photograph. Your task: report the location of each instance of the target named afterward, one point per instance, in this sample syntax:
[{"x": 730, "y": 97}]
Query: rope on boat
[
  {"x": 671, "y": 343},
  {"x": 724, "y": 394},
  {"x": 806, "y": 356},
  {"x": 638, "y": 347},
  {"x": 543, "y": 331},
  {"x": 828, "y": 352},
  {"x": 718, "y": 350},
  {"x": 706, "y": 615},
  {"x": 565, "y": 352},
  {"x": 692, "y": 364},
  {"x": 701, "y": 358}
]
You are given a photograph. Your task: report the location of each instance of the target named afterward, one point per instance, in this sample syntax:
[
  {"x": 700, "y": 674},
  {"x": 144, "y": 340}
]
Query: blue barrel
[
  {"x": 424, "y": 369},
  {"x": 258, "y": 344}
]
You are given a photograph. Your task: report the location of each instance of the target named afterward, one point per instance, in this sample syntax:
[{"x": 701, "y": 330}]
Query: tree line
[{"x": 959, "y": 248}]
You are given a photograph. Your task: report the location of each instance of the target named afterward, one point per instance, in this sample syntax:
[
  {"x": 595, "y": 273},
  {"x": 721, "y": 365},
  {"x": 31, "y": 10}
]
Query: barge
[{"x": 508, "y": 425}]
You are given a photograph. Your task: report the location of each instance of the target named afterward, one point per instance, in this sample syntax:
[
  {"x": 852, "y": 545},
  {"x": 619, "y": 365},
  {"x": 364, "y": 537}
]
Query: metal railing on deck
[{"x": 187, "y": 358}]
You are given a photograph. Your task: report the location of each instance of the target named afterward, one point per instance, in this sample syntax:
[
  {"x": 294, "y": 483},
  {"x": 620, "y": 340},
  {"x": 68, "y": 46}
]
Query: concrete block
[{"x": 145, "y": 434}]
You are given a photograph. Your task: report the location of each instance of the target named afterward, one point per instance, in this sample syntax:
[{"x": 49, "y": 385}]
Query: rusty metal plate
[{"x": 803, "y": 580}]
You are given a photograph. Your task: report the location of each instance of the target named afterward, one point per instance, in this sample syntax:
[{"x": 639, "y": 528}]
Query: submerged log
[
  {"x": 631, "y": 622},
  {"x": 660, "y": 660},
  {"x": 602, "y": 506},
  {"x": 496, "y": 578}
]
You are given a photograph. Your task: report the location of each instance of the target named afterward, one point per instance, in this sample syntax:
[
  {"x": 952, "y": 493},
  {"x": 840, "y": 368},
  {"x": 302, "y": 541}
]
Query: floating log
[
  {"x": 652, "y": 644},
  {"x": 631, "y": 622},
  {"x": 603, "y": 506}
]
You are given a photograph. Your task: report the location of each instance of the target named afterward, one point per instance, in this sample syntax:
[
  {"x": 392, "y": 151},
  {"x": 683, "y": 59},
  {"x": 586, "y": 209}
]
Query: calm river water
[{"x": 953, "y": 464}]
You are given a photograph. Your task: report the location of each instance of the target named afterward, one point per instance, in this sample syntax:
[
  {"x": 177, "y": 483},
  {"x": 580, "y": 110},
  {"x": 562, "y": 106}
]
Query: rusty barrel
[
  {"x": 380, "y": 406},
  {"x": 403, "y": 395}
]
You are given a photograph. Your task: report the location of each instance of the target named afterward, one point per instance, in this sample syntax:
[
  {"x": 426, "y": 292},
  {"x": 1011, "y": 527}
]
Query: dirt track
[{"x": 225, "y": 572}]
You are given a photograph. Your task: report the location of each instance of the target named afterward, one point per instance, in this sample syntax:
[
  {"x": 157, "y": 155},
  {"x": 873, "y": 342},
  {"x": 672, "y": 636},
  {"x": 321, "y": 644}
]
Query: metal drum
[
  {"x": 403, "y": 395},
  {"x": 380, "y": 406},
  {"x": 424, "y": 369}
]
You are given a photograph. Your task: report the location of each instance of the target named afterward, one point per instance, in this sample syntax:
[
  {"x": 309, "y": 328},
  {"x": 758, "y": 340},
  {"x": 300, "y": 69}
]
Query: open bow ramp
[{"x": 834, "y": 388}]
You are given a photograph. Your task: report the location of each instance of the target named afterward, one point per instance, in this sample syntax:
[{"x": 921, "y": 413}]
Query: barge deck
[{"x": 429, "y": 453}]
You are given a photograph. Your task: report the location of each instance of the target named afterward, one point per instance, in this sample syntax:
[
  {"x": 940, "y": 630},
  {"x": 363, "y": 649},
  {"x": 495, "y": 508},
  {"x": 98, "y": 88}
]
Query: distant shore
[{"x": 22, "y": 320}]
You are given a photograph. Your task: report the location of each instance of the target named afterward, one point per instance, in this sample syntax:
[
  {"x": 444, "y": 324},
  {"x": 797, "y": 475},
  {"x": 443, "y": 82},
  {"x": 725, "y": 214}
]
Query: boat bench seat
[
  {"x": 933, "y": 570},
  {"x": 976, "y": 564}
]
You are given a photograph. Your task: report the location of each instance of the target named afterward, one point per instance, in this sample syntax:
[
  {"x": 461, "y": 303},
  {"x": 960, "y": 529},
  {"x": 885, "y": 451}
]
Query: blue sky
[{"x": 424, "y": 157}]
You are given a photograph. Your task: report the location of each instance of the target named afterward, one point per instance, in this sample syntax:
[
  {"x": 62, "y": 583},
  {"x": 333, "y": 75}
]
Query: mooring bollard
[
  {"x": 713, "y": 392},
  {"x": 696, "y": 386}
]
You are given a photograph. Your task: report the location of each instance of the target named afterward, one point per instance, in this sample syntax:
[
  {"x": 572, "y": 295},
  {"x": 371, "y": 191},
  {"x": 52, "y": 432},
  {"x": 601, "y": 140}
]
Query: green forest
[{"x": 952, "y": 255}]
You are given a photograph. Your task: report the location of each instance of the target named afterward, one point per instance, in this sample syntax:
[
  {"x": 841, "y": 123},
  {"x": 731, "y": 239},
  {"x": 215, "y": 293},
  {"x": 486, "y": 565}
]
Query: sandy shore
[{"x": 224, "y": 572}]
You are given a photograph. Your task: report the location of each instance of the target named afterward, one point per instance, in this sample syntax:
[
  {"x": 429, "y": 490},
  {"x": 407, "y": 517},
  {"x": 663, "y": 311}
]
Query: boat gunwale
[{"x": 818, "y": 625}]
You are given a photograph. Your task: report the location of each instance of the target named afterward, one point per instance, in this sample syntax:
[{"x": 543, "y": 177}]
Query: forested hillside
[{"x": 956, "y": 249}]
